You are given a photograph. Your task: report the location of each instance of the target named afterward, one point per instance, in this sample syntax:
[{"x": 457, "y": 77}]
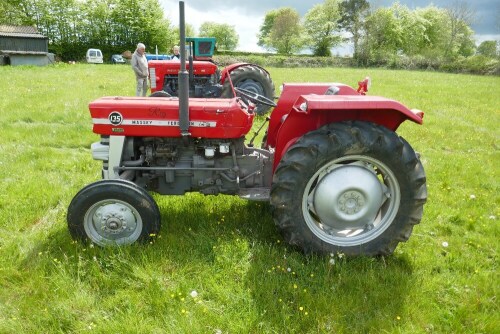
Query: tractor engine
[
  {"x": 202, "y": 86},
  {"x": 203, "y": 82},
  {"x": 210, "y": 166}
]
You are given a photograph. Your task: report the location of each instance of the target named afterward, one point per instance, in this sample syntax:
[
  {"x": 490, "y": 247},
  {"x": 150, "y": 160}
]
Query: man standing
[
  {"x": 140, "y": 67},
  {"x": 176, "y": 54}
]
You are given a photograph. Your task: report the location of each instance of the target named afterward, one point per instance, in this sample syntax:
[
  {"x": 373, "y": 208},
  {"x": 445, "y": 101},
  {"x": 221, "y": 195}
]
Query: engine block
[{"x": 210, "y": 166}]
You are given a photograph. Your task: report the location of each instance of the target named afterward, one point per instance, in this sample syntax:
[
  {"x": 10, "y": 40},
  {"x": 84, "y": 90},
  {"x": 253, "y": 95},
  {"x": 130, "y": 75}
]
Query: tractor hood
[{"x": 157, "y": 116}]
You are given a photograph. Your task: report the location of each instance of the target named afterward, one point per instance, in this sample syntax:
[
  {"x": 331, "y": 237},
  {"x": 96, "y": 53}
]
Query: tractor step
[{"x": 255, "y": 194}]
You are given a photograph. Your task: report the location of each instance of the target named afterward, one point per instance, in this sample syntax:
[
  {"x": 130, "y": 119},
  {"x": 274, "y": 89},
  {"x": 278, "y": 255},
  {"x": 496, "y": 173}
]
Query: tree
[
  {"x": 281, "y": 31},
  {"x": 321, "y": 24},
  {"x": 488, "y": 49},
  {"x": 190, "y": 32},
  {"x": 461, "y": 16},
  {"x": 72, "y": 26},
  {"x": 225, "y": 35},
  {"x": 352, "y": 15},
  {"x": 11, "y": 13},
  {"x": 265, "y": 29},
  {"x": 436, "y": 29},
  {"x": 383, "y": 31}
]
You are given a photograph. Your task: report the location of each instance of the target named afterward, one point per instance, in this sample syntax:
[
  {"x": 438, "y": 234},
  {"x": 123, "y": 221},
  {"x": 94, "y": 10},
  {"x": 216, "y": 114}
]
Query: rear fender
[
  {"x": 310, "y": 112},
  {"x": 228, "y": 69}
]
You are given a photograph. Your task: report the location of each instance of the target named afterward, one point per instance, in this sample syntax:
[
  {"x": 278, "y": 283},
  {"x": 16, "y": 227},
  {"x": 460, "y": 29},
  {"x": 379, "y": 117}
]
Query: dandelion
[
  {"x": 194, "y": 294},
  {"x": 306, "y": 313},
  {"x": 492, "y": 217},
  {"x": 301, "y": 308},
  {"x": 183, "y": 311},
  {"x": 289, "y": 269},
  {"x": 444, "y": 244},
  {"x": 295, "y": 286},
  {"x": 332, "y": 261},
  {"x": 472, "y": 196},
  {"x": 312, "y": 275},
  {"x": 398, "y": 317}
]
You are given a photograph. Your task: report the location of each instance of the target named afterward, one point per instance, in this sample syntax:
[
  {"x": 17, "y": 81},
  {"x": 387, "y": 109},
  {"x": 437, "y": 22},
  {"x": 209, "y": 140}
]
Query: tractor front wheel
[
  {"x": 251, "y": 78},
  {"x": 354, "y": 188},
  {"x": 113, "y": 212}
]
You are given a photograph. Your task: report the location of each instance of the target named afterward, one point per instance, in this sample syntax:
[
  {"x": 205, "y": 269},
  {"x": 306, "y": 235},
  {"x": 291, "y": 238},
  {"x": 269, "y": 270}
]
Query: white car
[{"x": 94, "y": 56}]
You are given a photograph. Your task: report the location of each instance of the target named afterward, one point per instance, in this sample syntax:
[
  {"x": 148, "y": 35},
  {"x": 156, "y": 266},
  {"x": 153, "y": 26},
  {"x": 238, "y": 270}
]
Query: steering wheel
[{"x": 254, "y": 97}]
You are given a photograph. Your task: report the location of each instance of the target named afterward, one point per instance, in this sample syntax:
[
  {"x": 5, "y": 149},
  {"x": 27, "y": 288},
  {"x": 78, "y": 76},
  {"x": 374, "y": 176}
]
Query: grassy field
[{"x": 219, "y": 265}]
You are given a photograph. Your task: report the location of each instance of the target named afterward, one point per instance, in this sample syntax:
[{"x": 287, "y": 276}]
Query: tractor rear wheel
[
  {"x": 355, "y": 188},
  {"x": 251, "y": 78},
  {"x": 113, "y": 212}
]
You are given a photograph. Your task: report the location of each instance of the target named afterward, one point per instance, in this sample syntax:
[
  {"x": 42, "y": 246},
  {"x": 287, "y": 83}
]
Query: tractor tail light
[
  {"x": 419, "y": 113},
  {"x": 364, "y": 85}
]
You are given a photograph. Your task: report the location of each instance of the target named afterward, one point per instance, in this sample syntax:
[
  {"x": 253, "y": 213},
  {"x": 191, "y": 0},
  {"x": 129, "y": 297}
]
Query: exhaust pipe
[{"x": 183, "y": 77}]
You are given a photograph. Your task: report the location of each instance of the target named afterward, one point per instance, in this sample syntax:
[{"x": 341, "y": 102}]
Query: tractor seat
[{"x": 332, "y": 90}]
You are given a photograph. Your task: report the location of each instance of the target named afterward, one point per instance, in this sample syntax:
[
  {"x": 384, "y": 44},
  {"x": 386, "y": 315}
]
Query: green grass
[{"x": 227, "y": 249}]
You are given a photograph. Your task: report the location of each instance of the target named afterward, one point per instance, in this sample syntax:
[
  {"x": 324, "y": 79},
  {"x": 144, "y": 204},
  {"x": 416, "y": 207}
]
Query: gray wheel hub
[
  {"x": 349, "y": 196},
  {"x": 351, "y": 200},
  {"x": 112, "y": 221}
]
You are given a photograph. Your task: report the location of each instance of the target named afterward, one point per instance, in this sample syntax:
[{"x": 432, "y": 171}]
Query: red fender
[{"x": 310, "y": 112}]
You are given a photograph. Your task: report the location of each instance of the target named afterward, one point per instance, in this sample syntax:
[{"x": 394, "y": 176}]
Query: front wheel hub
[{"x": 112, "y": 221}]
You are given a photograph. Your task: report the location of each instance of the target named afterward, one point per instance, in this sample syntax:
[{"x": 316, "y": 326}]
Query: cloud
[
  {"x": 246, "y": 25},
  {"x": 247, "y": 16}
]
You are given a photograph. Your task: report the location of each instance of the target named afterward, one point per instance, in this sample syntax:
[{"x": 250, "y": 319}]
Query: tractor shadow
[
  {"x": 287, "y": 288},
  {"x": 338, "y": 294},
  {"x": 310, "y": 294}
]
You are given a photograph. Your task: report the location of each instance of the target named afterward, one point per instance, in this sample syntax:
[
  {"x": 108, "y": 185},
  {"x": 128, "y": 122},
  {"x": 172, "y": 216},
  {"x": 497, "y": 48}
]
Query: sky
[{"x": 247, "y": 16}]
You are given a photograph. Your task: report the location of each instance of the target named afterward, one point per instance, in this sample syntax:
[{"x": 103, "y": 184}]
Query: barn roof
[{"x": 19, "y": 31}]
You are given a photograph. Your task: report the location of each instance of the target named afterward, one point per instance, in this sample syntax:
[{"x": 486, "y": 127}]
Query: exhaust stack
[{"x": 183, "y": 77}]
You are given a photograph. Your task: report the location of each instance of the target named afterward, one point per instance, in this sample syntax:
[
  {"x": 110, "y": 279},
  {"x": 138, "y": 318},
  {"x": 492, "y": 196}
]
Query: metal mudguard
[{"x": 297, "y": 114}]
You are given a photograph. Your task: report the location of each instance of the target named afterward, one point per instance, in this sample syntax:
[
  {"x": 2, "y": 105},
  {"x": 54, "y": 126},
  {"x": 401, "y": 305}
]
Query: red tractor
[
  {"x": 336, "y": 174},
  {"x": 205, "y": 78}
]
